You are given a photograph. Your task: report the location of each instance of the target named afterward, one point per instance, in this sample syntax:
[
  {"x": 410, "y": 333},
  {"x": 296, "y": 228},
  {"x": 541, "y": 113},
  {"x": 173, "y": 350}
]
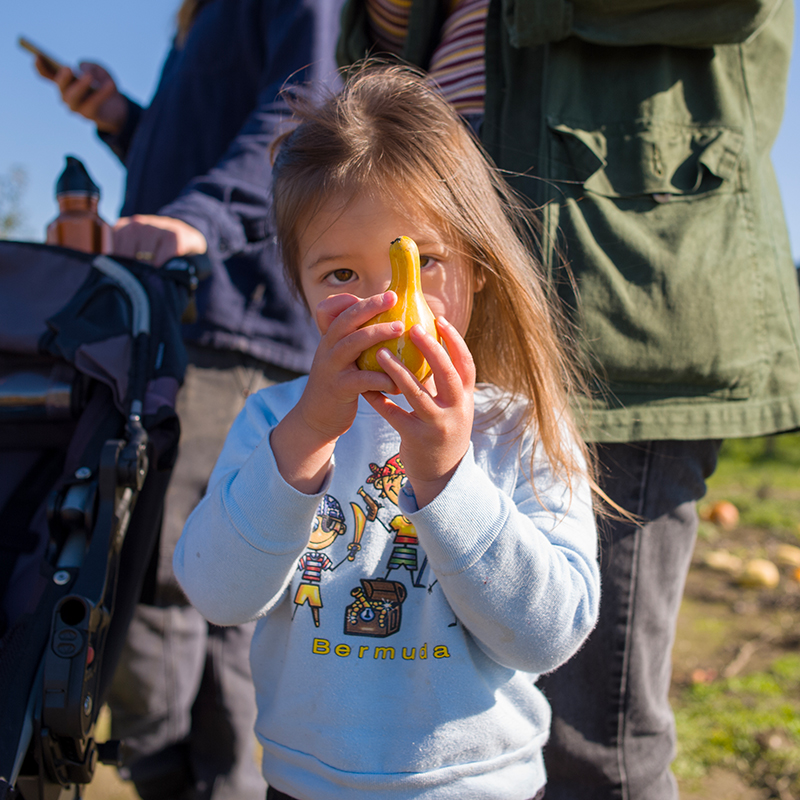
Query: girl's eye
[
  {"x": 340, "y": 276},
  {"x": 426, "y": 261}
]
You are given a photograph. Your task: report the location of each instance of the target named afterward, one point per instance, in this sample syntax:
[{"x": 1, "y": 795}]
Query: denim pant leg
[
  {"x": 223, "y": 744},
  {"x": 613, "y": 733},
  {"x": 186, "y": 717},
  {"x": 154, "y": 687}
]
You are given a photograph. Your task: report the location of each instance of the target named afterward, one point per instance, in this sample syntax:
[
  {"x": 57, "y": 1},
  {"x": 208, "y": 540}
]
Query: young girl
[{"x": 415, "y": 554}]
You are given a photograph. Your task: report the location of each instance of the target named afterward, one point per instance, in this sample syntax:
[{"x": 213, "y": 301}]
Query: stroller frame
[{"x": 56, "y": 668}]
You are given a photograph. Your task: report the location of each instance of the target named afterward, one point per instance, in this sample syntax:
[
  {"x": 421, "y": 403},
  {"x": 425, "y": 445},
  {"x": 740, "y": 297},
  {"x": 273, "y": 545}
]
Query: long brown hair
[
  {"x": 185, "y": 18},
  {"x": 389, "y": 131}
]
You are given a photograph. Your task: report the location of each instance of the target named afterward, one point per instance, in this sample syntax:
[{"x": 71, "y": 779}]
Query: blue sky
[{"x": 131, "y": 40}]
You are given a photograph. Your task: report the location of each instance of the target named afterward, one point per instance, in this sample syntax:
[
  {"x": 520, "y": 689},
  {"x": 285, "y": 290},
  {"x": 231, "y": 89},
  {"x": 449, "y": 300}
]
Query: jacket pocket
[
  {"x": 627, "y": 160},
  {"x": 659, "y": 232}
]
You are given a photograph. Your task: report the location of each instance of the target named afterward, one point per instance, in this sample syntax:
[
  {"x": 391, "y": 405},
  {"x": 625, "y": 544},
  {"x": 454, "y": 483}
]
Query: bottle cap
[{"x": 75, "y": 179}]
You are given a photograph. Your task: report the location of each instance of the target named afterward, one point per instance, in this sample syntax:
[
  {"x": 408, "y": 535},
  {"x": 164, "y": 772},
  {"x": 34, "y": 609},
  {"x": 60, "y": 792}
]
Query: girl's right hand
[
  {"x": 304, "y": 439},
  {"x": 335, "y": 382}
]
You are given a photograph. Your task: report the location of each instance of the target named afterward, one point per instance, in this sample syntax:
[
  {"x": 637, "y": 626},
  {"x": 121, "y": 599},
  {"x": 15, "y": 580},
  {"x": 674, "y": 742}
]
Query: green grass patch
[
  {"x": 761, "y": 477},
  {"x": 750, "y": 724}
]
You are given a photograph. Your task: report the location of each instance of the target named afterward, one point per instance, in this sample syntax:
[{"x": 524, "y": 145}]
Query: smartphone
[{"x": 52, "y": 65}]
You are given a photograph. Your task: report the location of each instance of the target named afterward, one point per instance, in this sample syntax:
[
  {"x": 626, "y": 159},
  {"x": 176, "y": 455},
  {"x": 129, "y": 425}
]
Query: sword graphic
[{"x": 361, "y": 521}]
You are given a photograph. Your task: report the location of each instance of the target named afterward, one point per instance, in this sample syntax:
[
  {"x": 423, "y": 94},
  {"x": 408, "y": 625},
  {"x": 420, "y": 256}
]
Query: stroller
[{"x": 91, "y": 358}]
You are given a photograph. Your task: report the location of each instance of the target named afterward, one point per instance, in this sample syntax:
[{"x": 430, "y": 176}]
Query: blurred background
[
  {"x": 130, "y": 40},
  {"x": 37, "y": 131}
]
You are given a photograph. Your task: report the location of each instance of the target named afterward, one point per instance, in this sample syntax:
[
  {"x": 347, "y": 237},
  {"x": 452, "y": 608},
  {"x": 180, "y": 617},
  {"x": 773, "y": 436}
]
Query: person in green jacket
[{"x": 641, "y": 133}]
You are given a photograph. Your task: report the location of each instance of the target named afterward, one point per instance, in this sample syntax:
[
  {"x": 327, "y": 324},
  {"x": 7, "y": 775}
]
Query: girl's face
[{"x": 344, "y": 249}]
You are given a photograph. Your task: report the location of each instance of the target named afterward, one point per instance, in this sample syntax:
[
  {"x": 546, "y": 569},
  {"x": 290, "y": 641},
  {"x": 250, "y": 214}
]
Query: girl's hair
[
  {"x": 184, "y": 19},
  {"x": 391, "y": 133}
]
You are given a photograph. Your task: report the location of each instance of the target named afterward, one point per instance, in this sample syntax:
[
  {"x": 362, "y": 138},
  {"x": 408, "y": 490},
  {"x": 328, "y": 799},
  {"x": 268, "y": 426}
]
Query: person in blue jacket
[{"x": 198, "y": 178}]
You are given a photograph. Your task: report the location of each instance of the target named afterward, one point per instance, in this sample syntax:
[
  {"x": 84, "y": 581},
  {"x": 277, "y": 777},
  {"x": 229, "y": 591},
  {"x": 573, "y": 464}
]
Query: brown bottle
[{"x": 78, "y": 225}]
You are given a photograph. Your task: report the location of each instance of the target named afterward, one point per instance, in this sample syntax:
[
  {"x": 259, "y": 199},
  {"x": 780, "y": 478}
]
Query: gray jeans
[
  {"x": 613, "y": 733},
  {"x": 183, "y": 700}
]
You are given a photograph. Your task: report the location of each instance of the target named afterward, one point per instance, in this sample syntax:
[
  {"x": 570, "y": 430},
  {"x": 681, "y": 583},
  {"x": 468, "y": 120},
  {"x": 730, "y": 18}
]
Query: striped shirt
[
  {"x": 312, "y": 565},
  {"x": 457, "y": 64}
]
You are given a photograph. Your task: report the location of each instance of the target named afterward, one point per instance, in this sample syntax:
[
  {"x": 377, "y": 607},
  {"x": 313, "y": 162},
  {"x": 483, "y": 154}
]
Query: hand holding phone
[
  {"x": 52, "y": 65},
  {"x": 90, "y": 92}
]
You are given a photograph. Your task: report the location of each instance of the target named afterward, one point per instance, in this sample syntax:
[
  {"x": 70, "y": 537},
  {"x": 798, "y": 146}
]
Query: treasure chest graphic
[{"x": 376, "y": 608}]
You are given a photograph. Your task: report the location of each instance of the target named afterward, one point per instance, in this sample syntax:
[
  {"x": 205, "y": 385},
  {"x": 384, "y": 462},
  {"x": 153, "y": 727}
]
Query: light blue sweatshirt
[{"x": 397, "y": 648}]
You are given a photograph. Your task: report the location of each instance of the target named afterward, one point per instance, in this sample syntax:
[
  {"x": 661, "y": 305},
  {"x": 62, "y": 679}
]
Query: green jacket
[{"x": 642, "y": 131}]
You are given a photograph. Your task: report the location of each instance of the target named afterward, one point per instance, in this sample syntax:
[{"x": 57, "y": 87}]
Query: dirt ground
[{"x": 723, "y": 630}]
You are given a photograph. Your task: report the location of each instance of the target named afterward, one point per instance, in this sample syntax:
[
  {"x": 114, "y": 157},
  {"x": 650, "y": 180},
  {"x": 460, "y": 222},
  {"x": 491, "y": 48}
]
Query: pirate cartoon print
[
  {"x": 328, "y": 525},
  {"x": 388, "y": 479},
  {"x": 375, "y": 608}
]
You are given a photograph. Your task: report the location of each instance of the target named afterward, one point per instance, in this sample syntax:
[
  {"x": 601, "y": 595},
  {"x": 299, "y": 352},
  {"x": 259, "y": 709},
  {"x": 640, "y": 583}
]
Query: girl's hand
[
  {"x": 435, "y": 435},
  {"x": 335, "y": 382},
  {"x": 304, "y": 439}
]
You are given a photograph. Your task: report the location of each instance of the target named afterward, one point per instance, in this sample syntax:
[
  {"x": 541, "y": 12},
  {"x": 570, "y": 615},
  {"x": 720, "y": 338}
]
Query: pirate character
[
  {"x": 328, "y": 525},
  {"x": 388, "y": 480}
]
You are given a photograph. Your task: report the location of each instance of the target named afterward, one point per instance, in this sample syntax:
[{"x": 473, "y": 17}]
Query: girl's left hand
[{"x": 435, "y": 434}]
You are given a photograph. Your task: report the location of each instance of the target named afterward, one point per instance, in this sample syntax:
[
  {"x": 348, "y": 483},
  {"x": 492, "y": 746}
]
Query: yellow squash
[{"x": 411, "y": 308}]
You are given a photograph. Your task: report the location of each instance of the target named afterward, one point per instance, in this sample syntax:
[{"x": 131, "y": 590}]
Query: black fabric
[
  {"x": 55, "y": 302},
  {"x": 135, "y": 579},
  {"x": 20, "y": 655},
  {"x": 15, "y": 518},
  {"x": 91, "y": 307},
  {"x": 274, "y": 794},
  {"x": 97, "y": 311}
]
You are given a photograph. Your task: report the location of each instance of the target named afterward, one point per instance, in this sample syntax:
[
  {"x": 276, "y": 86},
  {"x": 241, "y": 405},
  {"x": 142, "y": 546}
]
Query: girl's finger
[
  {"x": 369, "y": 335},
  {"x": 342, "y": 353},
  {"x": 453, "y": 368},
  {"x": 330, "y": 308},
  {"x": 391, "y": 412},
  {"x": 458, "y": 352},
  {"x": 368, "y": 382},
  {"x": 351, "y": 333},
  {"x": 419, "y": 398},
  {"x": 348, "y": 349},
  {"x": 355, "y": 314}
]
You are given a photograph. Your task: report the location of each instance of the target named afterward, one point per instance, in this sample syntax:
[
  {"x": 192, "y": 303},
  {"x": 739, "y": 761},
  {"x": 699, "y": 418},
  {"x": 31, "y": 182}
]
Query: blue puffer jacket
[{"x": 200, "y": 153}]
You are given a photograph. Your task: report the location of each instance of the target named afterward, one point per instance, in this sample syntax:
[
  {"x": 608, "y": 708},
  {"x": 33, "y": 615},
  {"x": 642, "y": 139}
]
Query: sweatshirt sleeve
[
  {"x": 240, "y": 545},
  {"x": 119, "y": 143},
  {"x": 231, "y": 204},
  {"x": 520, "y": 572}
]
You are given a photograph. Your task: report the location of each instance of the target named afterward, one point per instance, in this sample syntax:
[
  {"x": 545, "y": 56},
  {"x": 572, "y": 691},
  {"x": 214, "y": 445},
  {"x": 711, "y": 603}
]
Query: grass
[
  {"x": 749, "y": 723},
  {"x": 760, "y": 477}
]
